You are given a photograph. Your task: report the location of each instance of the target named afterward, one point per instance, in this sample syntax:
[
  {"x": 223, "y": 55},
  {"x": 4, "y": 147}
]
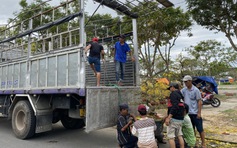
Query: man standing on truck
[
  {"x": 125, "y": 120},
  {"x": 120, "y": 57},
  {"x": 94, "y": 57}
]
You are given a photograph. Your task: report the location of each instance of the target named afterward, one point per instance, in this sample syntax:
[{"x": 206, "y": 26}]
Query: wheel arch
[{"x": 18, "y": 98}]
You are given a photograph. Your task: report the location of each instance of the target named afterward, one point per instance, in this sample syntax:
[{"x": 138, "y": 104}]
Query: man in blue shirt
[
  {"x": 192, "y": 97},
  {"x": 120, "y": 57}
]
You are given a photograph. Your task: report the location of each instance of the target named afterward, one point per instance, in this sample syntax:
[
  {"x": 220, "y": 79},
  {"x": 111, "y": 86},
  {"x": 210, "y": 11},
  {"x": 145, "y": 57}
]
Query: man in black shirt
[
  {"x": 94, "y": 57},
  {"x": 175, "y": 117},
  {"x": 125, "y": 137}
]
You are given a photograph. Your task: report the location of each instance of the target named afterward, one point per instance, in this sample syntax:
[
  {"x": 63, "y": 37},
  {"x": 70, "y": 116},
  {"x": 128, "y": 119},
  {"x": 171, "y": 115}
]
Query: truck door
[{"x": 102, "y": 105}]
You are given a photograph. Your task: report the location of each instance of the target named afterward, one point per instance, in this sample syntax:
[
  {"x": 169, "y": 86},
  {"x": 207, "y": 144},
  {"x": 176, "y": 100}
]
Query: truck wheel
[
  {"x": 23, "y": 120},
  {"x": 70, "y": 123}
]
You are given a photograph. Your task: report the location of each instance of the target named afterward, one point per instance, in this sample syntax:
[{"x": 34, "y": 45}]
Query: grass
[
  {"x": 227, "y": 87},
  {"x": 223, "y": 97},
  {"x": 231, "y": 114}
]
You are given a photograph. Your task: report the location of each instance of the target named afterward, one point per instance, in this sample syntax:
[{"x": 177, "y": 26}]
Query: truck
[{"x": 45, "y": 77}]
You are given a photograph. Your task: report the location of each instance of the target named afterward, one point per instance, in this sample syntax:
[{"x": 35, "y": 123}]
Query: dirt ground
[{"x": 220, "y": 123}]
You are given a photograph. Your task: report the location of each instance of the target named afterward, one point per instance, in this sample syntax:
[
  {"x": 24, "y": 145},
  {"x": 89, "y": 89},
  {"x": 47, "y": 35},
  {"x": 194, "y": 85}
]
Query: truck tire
[
  {"x": 23, "y": 120},
  {"x": 70, "y": 123}
]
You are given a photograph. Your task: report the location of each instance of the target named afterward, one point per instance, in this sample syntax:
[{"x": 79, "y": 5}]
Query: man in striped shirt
[
  {"x": 145, "y": 128},
  {"x": 125, "y": 137}
]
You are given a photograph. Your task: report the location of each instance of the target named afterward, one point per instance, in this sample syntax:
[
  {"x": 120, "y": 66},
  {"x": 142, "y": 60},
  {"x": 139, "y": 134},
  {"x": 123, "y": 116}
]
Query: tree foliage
[
  {"x": 153, "y": 90},
  {"x": 158, "y": 30},
  {"x": 219, "y": 15},
  {"x": 208, "y": 57}
]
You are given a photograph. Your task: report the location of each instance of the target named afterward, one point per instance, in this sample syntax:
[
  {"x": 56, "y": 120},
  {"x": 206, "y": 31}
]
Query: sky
[{"x": 8, "y": 7}]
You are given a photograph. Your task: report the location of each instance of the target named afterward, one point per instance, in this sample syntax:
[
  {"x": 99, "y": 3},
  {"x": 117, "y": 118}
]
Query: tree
[
  {"x": 158, "y": 30},
  {"x": 219, "y": 15},
  {"x": 184, "y": 65},
  {"x": 101, "y": 25},
  {"x": 207, "y": 58}
]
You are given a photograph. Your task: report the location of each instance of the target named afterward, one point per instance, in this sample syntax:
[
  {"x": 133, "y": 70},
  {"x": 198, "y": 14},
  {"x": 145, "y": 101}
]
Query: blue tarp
[{"x": 204, "y": 79}]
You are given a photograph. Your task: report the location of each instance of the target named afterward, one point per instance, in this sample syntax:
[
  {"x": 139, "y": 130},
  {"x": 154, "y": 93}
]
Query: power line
[{"x": 94, "y": 13}]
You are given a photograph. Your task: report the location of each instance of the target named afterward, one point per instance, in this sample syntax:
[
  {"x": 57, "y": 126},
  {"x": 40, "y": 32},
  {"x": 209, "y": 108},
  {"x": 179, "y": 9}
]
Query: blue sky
[{"x": 199, "y": 33}]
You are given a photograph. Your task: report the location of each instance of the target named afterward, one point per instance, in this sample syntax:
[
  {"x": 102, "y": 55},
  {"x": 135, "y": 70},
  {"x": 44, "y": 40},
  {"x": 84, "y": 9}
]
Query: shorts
[
  {"x": 198, "y": 123},
  {"x": 174, "y": 129},
  {"x": 152, "y": 144},
  {"x": 96, "y": 62}
]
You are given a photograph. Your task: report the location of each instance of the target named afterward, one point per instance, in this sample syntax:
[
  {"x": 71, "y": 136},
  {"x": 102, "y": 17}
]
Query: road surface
[{"x": 60, "y": 138}]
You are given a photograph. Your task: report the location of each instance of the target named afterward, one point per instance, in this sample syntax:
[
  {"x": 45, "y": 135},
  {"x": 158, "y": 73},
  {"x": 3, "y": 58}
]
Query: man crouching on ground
[
  {"x": 145, "y": 128},
  {"x": 125, "y": 120},
  {"x": 175, "y": 117}
]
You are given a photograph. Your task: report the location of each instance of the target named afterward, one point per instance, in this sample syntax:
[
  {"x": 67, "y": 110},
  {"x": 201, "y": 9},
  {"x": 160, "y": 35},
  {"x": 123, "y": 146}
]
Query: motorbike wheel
[{"x": 215, "y": 102}]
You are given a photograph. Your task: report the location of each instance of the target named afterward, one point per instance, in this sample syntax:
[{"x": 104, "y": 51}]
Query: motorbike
[{"x": 208, "y": 87}]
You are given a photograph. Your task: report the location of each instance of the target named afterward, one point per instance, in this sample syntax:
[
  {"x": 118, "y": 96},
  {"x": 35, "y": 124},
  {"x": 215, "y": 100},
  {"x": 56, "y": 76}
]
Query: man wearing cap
[
  {"x": 145, "y": 128},
  {"x": 94, "y": 57},
  {"x": 175, "y": 117},
  {"x": 125, "y": 120},
  {"x": 120, "y": 58},
  {"x": 192, "y": 98}
]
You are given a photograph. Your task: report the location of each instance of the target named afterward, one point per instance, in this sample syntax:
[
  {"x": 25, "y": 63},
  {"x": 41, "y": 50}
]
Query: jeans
[{"x": 119, "y": 66}]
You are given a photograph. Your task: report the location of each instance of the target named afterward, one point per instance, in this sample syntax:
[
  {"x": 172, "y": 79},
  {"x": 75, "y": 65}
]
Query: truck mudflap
[{"x": 102, "y": 105}]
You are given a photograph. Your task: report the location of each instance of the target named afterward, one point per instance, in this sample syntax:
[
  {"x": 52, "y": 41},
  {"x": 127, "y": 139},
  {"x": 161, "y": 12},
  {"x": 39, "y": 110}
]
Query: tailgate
[{"x": 102, "y": 105}]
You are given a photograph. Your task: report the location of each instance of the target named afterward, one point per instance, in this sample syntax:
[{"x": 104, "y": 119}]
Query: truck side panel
[{"x": 102, "y": 105}]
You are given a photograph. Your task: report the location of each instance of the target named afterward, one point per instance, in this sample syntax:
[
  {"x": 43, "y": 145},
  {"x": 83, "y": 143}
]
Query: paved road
[{"x": 60, "y": 138}]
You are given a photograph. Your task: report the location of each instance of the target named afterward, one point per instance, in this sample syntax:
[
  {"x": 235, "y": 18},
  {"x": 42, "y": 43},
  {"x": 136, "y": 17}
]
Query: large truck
[{"x": 45, "y": 77}]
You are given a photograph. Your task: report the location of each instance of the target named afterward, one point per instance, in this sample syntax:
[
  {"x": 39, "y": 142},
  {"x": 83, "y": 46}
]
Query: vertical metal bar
[
  {"x": 56, "y": 71},
  {"x": 70, "y": 38},
  {"x": 61, "y": 41},
  {"x": 51, "y": 44},
  {"x": 1, "y": 78},
  {"x": 1, "y": 56},
  {"x": 28, "y": 57},
  {"x": 6, "y": 82},
  {"x": 41, "y": 15},
  {"x": 19, "y": 78},
  {"x": 67, "y": 70},
  {"x": 135, "y": 42},
  {"x": 53, "y": 15},
  {"x": 12, "y": 75},
  {"x": 81, "y": 75},
  {"x": 43, "y": 45},
  {"x": 46, "y": 71},
  {"x": 29, "y": 39},
  {"x": 37, "y": 74}
]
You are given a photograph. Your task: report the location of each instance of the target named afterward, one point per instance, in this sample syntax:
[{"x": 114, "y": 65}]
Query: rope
[{"x": 113, "y": 85}]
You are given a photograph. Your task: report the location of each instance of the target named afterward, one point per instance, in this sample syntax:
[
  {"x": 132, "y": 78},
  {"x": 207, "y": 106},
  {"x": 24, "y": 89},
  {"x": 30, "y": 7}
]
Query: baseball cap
[
  {"x": 95, "y": 39},
  {"x": 122, "y": 36},
  {"x": 141, "y": 107},
  {"x": 123, "y": 106},
  {"x": 175, "y": 85},
  {"x": 187, "y": 78}
]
